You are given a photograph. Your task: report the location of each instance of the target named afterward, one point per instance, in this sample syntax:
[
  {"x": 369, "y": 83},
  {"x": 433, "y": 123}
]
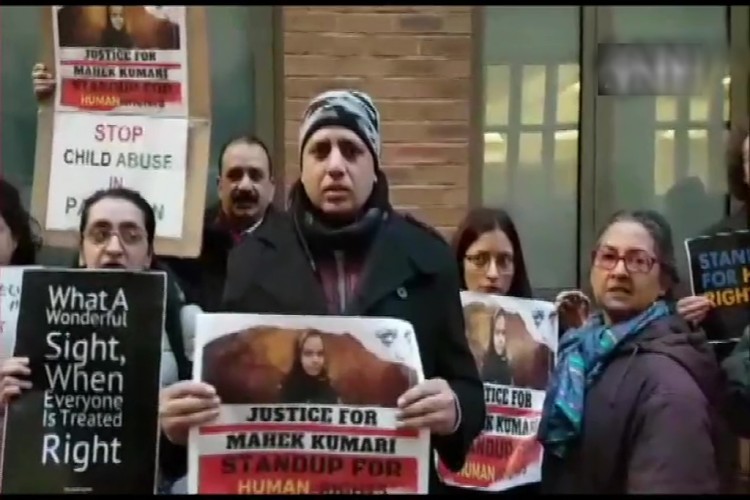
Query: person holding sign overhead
[
  {"x": 341, "y": 249},
  {"x": 117, "y": 231}
]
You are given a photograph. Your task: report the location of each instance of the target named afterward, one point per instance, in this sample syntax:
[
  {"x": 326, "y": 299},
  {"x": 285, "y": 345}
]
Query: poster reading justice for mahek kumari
[
  {"x": 121, "y": 58},
  {"x": 308, "y": 406}
]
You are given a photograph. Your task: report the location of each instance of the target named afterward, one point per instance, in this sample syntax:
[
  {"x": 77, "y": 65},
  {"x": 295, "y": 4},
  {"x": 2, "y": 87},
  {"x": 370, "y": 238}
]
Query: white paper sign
[
  {"x": 514, "y": 343},
  {"x": 92, "y": 152},
  {"x": 11, "y": 281}
]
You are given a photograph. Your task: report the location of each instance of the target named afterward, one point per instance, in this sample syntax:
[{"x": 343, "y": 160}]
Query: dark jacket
[
  {"x": 734, "y": 222},
  {"x": 202, "y": 277},
  {"x": 650, "y": 421},
  {"x": 173, "y": 458},
  {"x": 736, "y": 368},
  {"x": 734, "y": 359},
  {"x": 410, "y": 274}
]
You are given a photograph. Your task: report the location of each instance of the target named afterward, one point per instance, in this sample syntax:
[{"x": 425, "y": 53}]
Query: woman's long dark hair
[
  {"x": 23, "y": 227},
  {"x": 483, "y": 220},
  {"x": 495, "y": 366}
]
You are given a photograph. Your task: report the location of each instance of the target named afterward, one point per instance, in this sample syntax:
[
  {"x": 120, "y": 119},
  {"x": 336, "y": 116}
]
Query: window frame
[{"x": 591, "y": 140}]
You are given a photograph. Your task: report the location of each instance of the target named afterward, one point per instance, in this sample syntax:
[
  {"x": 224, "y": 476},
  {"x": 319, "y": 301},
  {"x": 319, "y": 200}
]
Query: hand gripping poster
[
  {"x": 89, "y": 421},
  {"x": 720, "y": 270},
  {"x": 308, "y": 406},
  {"x": 11, "y": 284},
  {"x": 514, "y": 343},
  {"x": 121, "y": 58}
]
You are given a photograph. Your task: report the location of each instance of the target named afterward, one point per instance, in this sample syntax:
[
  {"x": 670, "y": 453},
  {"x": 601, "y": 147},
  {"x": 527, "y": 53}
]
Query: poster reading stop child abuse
[
  {"x": 308, "y": 406},
  {"x": 94, "y": 151},
  {"x": 514, "y": 343},
  {"x": 89, "y": 421}
]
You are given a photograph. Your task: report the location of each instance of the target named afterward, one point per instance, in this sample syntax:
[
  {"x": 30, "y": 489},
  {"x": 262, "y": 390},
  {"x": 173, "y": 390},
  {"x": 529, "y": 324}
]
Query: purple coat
[{"x": 650, "y": 424}]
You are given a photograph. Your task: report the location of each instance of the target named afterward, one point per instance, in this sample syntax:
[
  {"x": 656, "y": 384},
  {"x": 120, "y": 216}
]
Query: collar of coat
[{"x": 403, "y": 248}]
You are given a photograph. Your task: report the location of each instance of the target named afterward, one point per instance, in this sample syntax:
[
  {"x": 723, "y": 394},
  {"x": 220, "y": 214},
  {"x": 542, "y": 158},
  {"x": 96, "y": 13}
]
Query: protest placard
[
  {"x": 116, "y": 58},
  {"x": 720, "y": 270},
  {"x": 92, "y": 152},
  {"x": 126, "y": 67},
  {"x": 308, "y": 406},
  {"x": 11, "y": 283},
  {"x": 89, "y": 422},
  {"x": 514, "y": 343}
]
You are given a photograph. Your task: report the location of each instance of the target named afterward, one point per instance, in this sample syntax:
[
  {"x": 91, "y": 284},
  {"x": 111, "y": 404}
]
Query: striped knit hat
[{"x": 351, "y": 109}]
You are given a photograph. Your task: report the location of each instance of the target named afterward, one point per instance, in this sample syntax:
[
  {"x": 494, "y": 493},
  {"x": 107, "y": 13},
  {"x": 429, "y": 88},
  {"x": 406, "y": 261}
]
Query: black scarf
[{"x": 321, "y": 233}]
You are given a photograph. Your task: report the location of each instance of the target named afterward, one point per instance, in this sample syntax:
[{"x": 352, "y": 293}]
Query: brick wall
[{"x": 415, "y": 62}]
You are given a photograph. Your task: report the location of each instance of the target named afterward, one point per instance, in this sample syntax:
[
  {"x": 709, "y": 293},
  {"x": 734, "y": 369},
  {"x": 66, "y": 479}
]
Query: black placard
[{"x": 90, "y": 422}]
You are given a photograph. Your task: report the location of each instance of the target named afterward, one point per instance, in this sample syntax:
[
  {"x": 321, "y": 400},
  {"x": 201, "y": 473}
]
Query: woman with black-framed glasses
[
  {"x": 117, "y": 231},
  {"x": 632, "y": 406},
  {"x": 490, "y": 260}
]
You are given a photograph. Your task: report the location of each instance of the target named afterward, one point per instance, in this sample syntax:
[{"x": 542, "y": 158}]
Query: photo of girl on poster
[
  {"x": 495, "y": 365},
  {"x": 115, "y": 33},
  {"x": 507, "y": 345},
  {"x": 307, "y": 381}
]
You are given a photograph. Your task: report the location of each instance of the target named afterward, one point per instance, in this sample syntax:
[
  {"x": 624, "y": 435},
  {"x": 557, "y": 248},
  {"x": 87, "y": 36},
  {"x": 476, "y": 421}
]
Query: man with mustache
[
  {"x": 341, "y": 249},
  {"x": 245, "y": 188}
]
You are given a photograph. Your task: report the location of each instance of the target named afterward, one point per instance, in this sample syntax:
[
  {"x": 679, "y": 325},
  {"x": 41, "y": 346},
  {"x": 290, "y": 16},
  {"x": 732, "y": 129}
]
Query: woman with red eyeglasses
[{"x": 631, "y": 407}]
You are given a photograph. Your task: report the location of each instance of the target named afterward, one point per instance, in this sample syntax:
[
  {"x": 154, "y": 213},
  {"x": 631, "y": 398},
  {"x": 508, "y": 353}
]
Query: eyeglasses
[
  {"x": 481, "y": 260},
  {"x": 128, "y": 235},
  {"x": 636, "y": 261}
]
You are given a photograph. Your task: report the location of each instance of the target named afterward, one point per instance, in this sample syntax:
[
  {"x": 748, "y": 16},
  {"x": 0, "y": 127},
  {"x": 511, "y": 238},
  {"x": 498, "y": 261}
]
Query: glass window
[
  {"x": 232, "y": 78},
  {"x": 19, "y": 49},
  {"x": 239, "y": 39},
  {"x": 531, "y": 133},
  {"x": 665, "y": 153}
]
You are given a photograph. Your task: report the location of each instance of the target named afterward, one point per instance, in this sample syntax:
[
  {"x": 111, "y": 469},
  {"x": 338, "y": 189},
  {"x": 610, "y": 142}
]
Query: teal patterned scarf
[{"x": 584, "y": 352}]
